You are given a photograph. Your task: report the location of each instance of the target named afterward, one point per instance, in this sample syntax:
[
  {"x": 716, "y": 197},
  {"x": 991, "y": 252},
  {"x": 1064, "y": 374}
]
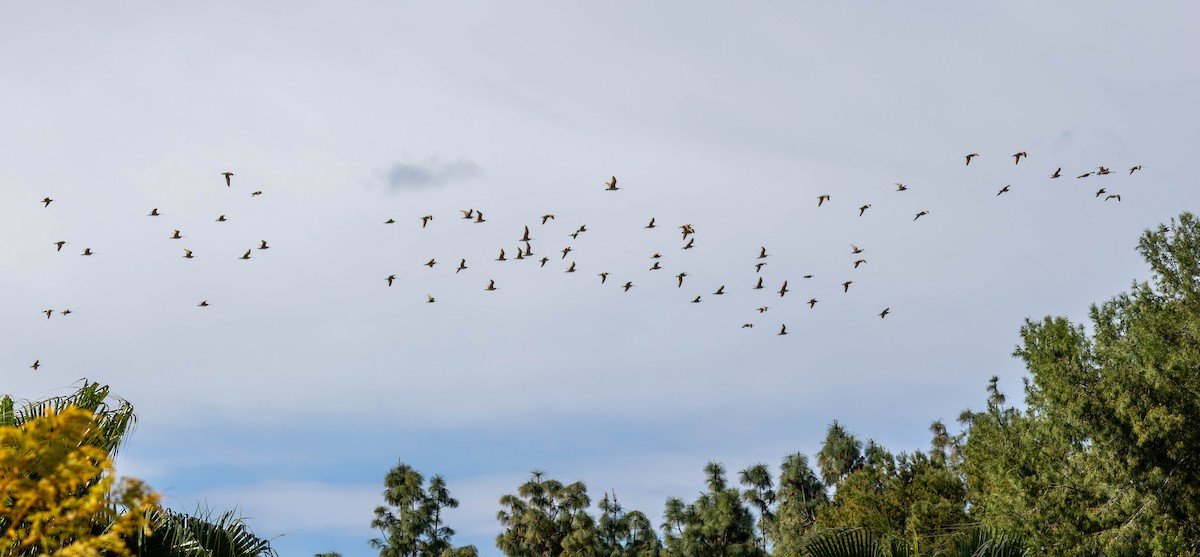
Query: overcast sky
[{"x": 307, "y": 377}]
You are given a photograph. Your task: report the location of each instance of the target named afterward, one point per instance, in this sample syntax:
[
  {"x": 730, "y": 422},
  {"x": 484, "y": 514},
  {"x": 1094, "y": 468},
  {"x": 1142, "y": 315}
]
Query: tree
[
  {"x": 58, "y": 486},
  {"x": 840, "y": 455},
  {"x": 1103, "y": 458},
  {"x": 625, "y": 534},
  {"x": 547, "y": 519},
  {"x": 760, "y": 495},
  {"x": 717, "y": 524},
  {"x": 801, "y": 494},
  {"x": 411, "y": 523}
]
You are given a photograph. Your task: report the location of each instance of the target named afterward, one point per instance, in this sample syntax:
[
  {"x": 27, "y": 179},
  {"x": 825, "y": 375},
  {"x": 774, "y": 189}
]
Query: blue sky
[{"x": 307, "y": 378}]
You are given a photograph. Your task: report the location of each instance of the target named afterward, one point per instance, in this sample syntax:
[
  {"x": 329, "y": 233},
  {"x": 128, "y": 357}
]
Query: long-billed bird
[
  {"x": 1057, "y": 173},
  {"x": 202, "y": 304},
  {"x": 461, "y": 265},
  {"x": 433, "y": 261},
  {"x": 627, "y": 286},
  {"x": 812, "y": 302},
  {"x": 846, "y": 285},
  {"x": 1002, "y": 190},
  {"x": 680, "y": 277},
  {"x": 863, "y": 209},
  {"x": 782, "y": 330},
  {"x": 491, "y": 285},
  {"x": 245, "y": 255},
  {"x": 547, "y": 217},
  {"x": 783, "y": 290},
  {"x": 651, "y": 225},
  {"x": 612, "y": 184},
  {"x": 60, "y": 244},
  {"x": 1131, "y": 170}
]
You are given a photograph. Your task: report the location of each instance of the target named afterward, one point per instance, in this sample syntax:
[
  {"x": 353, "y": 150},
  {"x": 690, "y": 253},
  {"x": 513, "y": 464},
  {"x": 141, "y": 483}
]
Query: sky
[{"x": 307, "y": 377}]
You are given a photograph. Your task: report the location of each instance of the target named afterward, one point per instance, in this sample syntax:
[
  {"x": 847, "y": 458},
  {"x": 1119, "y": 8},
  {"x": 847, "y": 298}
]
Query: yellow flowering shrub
[{"x": 58, "y": 496}]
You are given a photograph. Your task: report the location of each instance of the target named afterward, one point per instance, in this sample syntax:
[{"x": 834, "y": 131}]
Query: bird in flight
[
  {"x": 747, "y": 325},
  {"x": 48, "y": 313},
  {"x": 846, "y": 285},
  {"x": 390, "y": 279},
  {"x": 547, "y": 217},
  {"x": 468, "y": 213},
  {"x": 759, "y": 285},
  {"x": 1017, "y": 157},
  {"x": 970, "y": 156},
  {"x": 812, "y": 302},
  {"x": 491, "y": 285},
  {"x": 603, "y": 277},
  {"x": 1101, "y": 191},
  {"x": 651, "y": 225},
  {"x": 1003, "y": 190},
  {"x": 153, "y": 212},
  {"x": 264, "y": 245},
  {"x": 46, "y": 202},
  {"x": 187, "y": 254},
  {"x": 479, "y": 216},
  {"x": 60, "y": 245},
  {"x": 921, "y": 214},
  {"x": 782, "y": 330},
  {"x": 1116, "y": 196},
  {"x": 689, "y": 244},
  {"x": 430, "y": 299},
  {"x": 203, "y": 304},
  {"x": 36, "y": 365},
  {"x": 612, "y": 185},
  {"x": 1057, "y": 173},
  {"x": 66, "y": 312},
  {"x": 1084, "y": 175},
  {"x": 1131, "y": 170},
  {"x": 758, "y": 266},
  {"x": 245, "y": 255},
  {"x": 627, "y": 286},
  {"x": 520, "y": 254},
  {"x": 764, "y": 309},
  {"x": 255, "y": 194},
  {"x": 227, "y": 176},
  {"x": 1102, "y": 171},
  {"x": 859, "y": 262},
  {"x": 571, "y": 269},
  {"x": 461, "y": 265},
  {"x": 433, "y": 261},
  {"x": 901, "y": 187},
  {"x": 221, "y": 218},
  {"x": 855, "y": 249},
  {"x": 565, "y": 251},
  {"x": 501, "y": 258},
  {"x": 655, "y": 267},
  {"x": 697, "y": 300},
  {"x": 783, "y": 290},
  {"x": 544, "y": 260},
  {"x": 821, "y": 199},
  {"x": 720, "y": 291},
  {"x": 687, "y": 229},
  {"x": 528, "y": 249},
  {"x": 680, "y": 277},
  {"x": 863, "y": 209},
  {"x": 86, "y": 251},
  {"x": 526, "y": 237},
  {"x": 884, "y": 313},
  {"x": 762, "y": 254},
  {"x": 390, "y": 221},
  {"x": 656, "y": 255},
  {"x": 425, "y": 220}
]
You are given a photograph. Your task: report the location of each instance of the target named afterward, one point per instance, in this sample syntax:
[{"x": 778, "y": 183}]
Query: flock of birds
[{"x": 525, "y": 251}]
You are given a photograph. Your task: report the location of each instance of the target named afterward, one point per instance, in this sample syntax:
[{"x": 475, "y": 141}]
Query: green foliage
[
  {"x": 411, "y": 523},
  {"x": 717, "y": 524},
  {"x": 801, "y": 495},
  {"x": 201, "y": 535},
  {"x": 547, "y": 519},
  {"x": 625, "y": 534}
]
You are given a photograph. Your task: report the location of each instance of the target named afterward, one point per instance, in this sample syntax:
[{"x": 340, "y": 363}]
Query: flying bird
[
  {"x": 627, "y": 286},
  {"x": 1131, "y": 170},
  {"x": 612, "y": 185},
  {"x": 687, "y": 229},
  {"x": 1113, "y": 196},
  {"x": 1084, "y": 175},
  {"x": 36, "y": 365},
  {"x": 859, "y": 262},
  {"x": 479, "y": 216},
  {"x": 1017, "y": 157},
  {"x": 846, "y": 285},
  {"x": 467, "y": 214},
  {"x": 203, "y": 304},
  {"x": 390, "y": 221},
  {"x": 680, "y": 277},
  {"x": 221, "y": 218},
  {"x": 1057, "y": 173},
  {"x": 901, "y": 187},
  {"x": 425, "y": 220},
  {"x": 547, "y": 217},
  {"x": 429, "y": 298},
  {"x": 461, "y": 265},
  {"x": 60, "y": 245},
  {"x": 565, "y": 251},
  {"x": 264, "y": 245},
  {"x": 390, "y": 279},
  {"x": 1003, "y": 190},
  {"x": 48, "y": 313},
  {"x": 863, "y": 209},
  {"x": 491, "y": 285},
  {"x": 1102, "y": 170},
  {"x": 759, "y": 285},
  {"x": 227, "y": 176},
  {"x": 255, "y": 194},
  {"x": 747, "y": 325},
  {"x": 720, "y": 291},
  {"x": 689, "y": 244},
  {"x": 1101, "y": 191},
  {"x": 656, "y": 255},
  {"x": 764, "y": 309},
  {"x": 433, "y": 261},
  {"x": 603, "y": 277},
  {"x": 884, "y": 313},
  {"x": 855, "y": 249},
  {"x": 153, "y": 212},
  {"x": 655, "y": 267},
  {"x": 501, "y": 258},
  {"x": 919, "y": 215},
  {"x": 66, "y": 312},
  {"x": 783, "y": 290},
  {"x": 762, "y": 254},
  {"x": 970, "y": 156},
  {"x": 571, "y": 269},
  {"x": 758, "y": 266},
  {"x": 782, "y": 330},
  {"x": 187, "y": 254},
  {"x": 697, "y": 300},
  {"x": 821, "y": 199},
  {"x": 544, "y": 260},
  {"x": 46, "y": 202},
  {"x": 245, "y": 255},
  {"x": 812, "y": 302},
  {"x": 528, "y": 249},
  {"x": 526, "y": 237},
  {"x": 651, "y": 225},
  {"x": 86, "y": 251}
]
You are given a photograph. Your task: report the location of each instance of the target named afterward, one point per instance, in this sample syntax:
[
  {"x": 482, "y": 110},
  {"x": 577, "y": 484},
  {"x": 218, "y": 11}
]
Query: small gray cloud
[{"x": 430, "y": 172}]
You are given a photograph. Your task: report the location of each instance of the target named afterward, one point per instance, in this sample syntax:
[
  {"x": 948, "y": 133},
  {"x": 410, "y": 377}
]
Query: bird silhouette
[
  {"x": 390, "y": 279},
  {"x": 461, "y": 265},
  {"x": 687, "y": 229},
  {"x": 690, "y": 243},
  {"x": 433, "y": 261},
  {"x": 863, "y": 209},
  {"x": 221, "y": 218},
  {"x": 1113, "y": 196},
  {"x": 425, "y": 220},
  {"x": 758, "y": 266},
  {"x": 859, "y": 262},
  {"x": 1131, "y": 170},
  {"x": 390, "y": 221},
  {"x": 467, "y": 214},
  {"x": 479, "y": 216},
  {"x": 1102, "y": 171},
  {"x": 720, "y": 291},
  {"x": 1002, "y": 190},
  {"x": 528, "y": 250},
  {"x": 544, "y": 260},
  {"x": 263, "y": 245},
  {"x": 227, "y": 176},
  {"x": 1084, "y": 175},
  {"x": 60, "y": 245},
  {"x": 46, "y": 202},
  {"x": 901, "y": 187},
  {"x": 501, "y": 258},
  {"x": 846, "y": 285},
  {"x": 520, "y": 254},
  {"x": 970, "y": 156},
  {"x": 491, "y": 285},
  {"x": 812, "y": 302},
  {"x": 565, "y": 251},
  {"x": 187, "y": 254},
  {"x": 245, "y": 255},
  {"x": 66, "y": 312},
  {"x": 153, "y": 212},
  {"x": 203, "y": 304},
  {"x": 762, "y": 254},
  {"x": 651, "y": 225},
  {"x": 697, "y": 300},
  {"x": 547, "y": 217},
  {"x": 759, "y": 285},
  {"x": 821, "y": 199},
  {"x": 680, "y": 277},
  {"x": 603, "y": 277},
  {"x": 256, "y": 193},
  {"x": 86, "y": 251},
  {"x": 36, "y": 365},
  {"x": 526, "y": 237},
  {"x": 1100, "y": 192},
  {"x": 764, "y": 309},
  {"x": 430, "y": 299},
  {"x": 655, "y": 267},
  {"x": 571, "y": 269},
  {"x": 783, "y": 290},
  {"x": 48, "y": 313},
  {"x": 612, "y": 185},
  {"x": 782, "y": 330},
  {"x": 921, "y": 214},
  {"x": 884, "y": 313},
  {"x": 1017, "y": 157},
  {"x": 747, "y": 325},
  {"x": 1057, "y": 173},
  {"x": 627, "y": 286},
  {"x": 855, "y": 249},
  {"x": 656, "y": 255}
]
